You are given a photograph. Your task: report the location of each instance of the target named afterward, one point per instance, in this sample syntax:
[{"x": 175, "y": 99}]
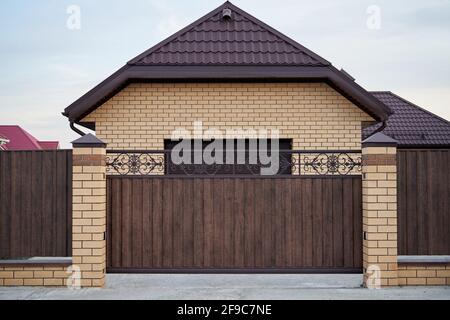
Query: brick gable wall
[{"x": 314, "y": 115}]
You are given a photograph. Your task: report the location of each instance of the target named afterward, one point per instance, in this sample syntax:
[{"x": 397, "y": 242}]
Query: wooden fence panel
[
  {"x": 35, "y": 204},
  {"x": 424, "y": 202},
  {"x": 227, "y": 224}
]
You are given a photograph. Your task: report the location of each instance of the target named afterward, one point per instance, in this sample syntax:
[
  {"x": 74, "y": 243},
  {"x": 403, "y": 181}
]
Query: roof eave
[{"x": 94, "y": 98}]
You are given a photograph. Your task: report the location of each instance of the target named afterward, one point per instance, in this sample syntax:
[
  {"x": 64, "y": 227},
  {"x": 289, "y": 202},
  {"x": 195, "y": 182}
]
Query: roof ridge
[
  {"x": 31, "y": 138},
  {"x": 302, "y": 49},
  {"x": 380, "y": 91},
  {"x": 155, "y": 65},
  {"x": 273, "y": 31},
  {"x": 176, "y": 34}
]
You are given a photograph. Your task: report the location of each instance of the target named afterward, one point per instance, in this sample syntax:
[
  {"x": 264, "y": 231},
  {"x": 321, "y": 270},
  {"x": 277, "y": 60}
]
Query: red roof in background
[
  {"x": 2, "y": 146},
  {"x": 19, "y": 139},
  {"x": 49, "y": 145}
]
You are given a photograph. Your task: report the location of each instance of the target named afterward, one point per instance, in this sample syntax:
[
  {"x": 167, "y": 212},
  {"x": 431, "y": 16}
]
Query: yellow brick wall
[
  {"x": 34, "y": 276},
  {"x": 314, "y": 115},
  {"x": 89, "y": 219},
  {"x": 380, "y": 215},
  {"x": 423, "y": 274}
]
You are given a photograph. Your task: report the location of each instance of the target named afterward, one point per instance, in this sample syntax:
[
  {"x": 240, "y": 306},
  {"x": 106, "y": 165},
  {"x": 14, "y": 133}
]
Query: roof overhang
[{"x": 169, "y": 73}]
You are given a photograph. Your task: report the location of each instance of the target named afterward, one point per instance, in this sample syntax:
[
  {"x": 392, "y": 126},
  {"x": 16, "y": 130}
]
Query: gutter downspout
[
  {"x": 381, "y": 128},
  {"x": 72, "y": 126}
]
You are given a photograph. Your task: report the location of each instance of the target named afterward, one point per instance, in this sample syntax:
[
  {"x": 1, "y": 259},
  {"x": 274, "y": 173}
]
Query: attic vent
[{"x": 226, "y": 14}]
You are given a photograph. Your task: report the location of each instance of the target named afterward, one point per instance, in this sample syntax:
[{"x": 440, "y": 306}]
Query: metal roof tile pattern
[
  {"x": 240, "y": 40},
  {"x": 411, "y": 125}
]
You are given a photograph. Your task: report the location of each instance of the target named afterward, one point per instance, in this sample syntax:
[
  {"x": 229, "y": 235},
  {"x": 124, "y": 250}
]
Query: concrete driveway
[{"x": 230, "y": 286}]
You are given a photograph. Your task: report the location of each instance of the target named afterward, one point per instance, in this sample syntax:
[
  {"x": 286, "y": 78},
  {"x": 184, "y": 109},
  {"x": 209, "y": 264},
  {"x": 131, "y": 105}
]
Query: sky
[{"x": 47, "y": 61}]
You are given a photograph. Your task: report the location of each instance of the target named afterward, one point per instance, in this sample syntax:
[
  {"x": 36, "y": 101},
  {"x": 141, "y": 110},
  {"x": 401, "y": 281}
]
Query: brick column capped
[
  {"x": 379, "y": 211},
  {"x": 89, "y": 210}
]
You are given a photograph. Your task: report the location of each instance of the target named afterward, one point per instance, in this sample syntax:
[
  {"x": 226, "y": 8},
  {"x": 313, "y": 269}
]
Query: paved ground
[{"x": 224, "y": 287}]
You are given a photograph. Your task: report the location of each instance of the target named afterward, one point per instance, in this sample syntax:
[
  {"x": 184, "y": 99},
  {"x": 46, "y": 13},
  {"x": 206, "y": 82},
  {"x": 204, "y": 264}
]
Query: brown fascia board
[{"x": 129, "y": 74}]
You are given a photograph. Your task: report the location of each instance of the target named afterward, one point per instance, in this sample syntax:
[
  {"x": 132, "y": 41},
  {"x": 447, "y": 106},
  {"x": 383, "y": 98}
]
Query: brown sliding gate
[{"x": 234, "y": 224}]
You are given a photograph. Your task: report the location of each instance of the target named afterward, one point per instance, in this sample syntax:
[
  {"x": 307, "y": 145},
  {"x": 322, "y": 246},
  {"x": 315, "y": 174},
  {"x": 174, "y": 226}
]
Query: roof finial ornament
[{"x": 226, "y": 14}]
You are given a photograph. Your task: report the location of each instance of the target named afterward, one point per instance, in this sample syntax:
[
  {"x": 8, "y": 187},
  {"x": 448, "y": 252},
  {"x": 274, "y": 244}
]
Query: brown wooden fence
[
  {"x": 245, "y": 224},
  {"x": 424, "y": 202},
  {"x": 35, "y": 203}
]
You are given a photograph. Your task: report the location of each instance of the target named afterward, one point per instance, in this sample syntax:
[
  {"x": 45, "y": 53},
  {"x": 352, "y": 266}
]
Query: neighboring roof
[
  {"x": 3, "y": 141},
  {"x": 411, "y": 125},
  {"x": 214, "y": 48},
  {"x": 19, "y": 139},
  {"x": 3, "y": 138},
  {"x": 49, "y": 145}
]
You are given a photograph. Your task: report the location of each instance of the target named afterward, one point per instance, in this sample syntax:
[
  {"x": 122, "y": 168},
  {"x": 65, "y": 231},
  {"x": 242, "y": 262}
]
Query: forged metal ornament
[
  {"x": 332, "y": 163},
  {"x": 135, "y": 163},
  {"x": 289, "y": 163},
  {"x": 292, "y": 162}
]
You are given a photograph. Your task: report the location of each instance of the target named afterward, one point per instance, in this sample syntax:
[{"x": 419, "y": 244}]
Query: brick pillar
[
  {"x": 89, "y": 210},
  {"x": 379, "y": 210}
]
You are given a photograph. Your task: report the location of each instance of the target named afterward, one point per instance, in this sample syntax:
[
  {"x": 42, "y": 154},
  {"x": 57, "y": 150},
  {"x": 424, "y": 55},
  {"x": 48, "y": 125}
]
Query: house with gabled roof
[
  {"x": 360, "y": 185},
  {"x": 230, "y": 70}
]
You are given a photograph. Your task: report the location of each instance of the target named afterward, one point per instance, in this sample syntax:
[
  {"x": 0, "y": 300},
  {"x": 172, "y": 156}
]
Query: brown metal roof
[
  {"x": 241, "y": 39},
  {"x": 411, "y": 125},
  {"x": 239, "y": 49}
]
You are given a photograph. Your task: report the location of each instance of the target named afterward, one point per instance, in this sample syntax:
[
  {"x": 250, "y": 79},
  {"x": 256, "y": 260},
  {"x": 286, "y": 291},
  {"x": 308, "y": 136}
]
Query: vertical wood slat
[
  {"x": 188, "y": 222},
  {"x": 338, "y": 230},
  {"x": 327, "y": 201},
  {"x": 136, "y": 223},
  {"x": 5, "y": 204},
  {"x": 317, "y": 222},
  {"x": 307, "y": 222},
  {"x": 228, "y": 191},
  {"x": 242, "y": 223},
  {"x": 208, "y": 223},
  {"x": 157, "y": 222},
  {"x": 177, "y": 223},
  {"x": 238, "y": 227},
  {"x": 357, "y": 221},
  {"x": 198, "y": 227},
  {"x": 35, "y": 203},
  {"x": 423, "y": 201},
  {"x": 126, "y": 234},
  {"x": 147, "y": 233}
]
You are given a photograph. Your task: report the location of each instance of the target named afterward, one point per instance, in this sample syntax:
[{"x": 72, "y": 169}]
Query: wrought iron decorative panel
[
  {"x": 294, "y": 162},
  {"x": 132, "y": 163}
]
